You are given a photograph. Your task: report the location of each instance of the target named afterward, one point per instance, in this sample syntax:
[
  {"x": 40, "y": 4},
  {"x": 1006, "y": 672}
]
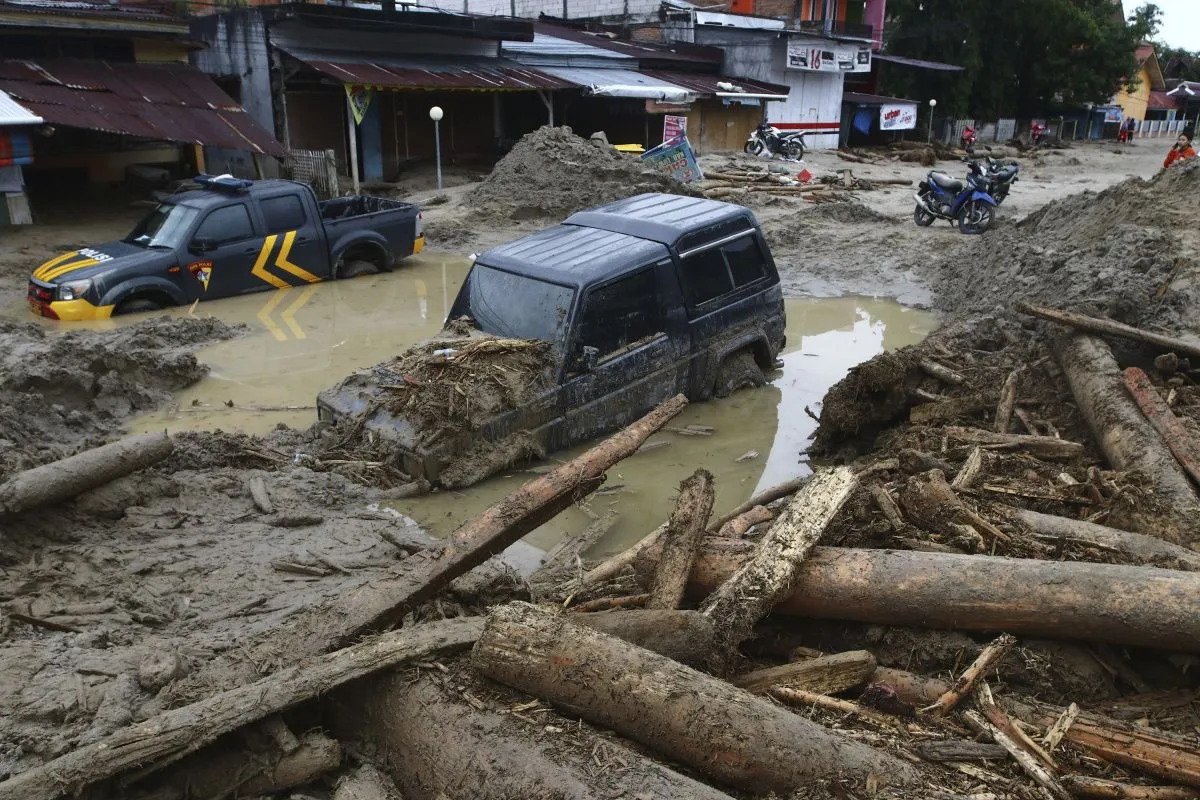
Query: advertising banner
[
  {"x": 674, "y": 127},
  {"x": 897, "y": 117},
  {"x": 360, "y": 101},
  {"x": 675, "y": 158},
  {"x": 816, "y": 56}
]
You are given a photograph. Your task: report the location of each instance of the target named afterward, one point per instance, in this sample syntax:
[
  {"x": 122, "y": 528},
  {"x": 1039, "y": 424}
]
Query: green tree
[{"x": 1022, "y": 58}]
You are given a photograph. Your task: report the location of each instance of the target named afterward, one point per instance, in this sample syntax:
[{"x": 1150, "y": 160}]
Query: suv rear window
[
  {"x": 712, "y": 273},
  {"x": 284, "y": 213},
  {"x": 621, "y": 313}
]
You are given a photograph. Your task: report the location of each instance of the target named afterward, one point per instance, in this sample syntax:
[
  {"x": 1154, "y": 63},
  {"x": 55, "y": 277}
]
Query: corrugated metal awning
[
  {"x": 13, "y": 113},
  {"x": 723, "y": 87},
  {"x": 491, "y": 74},
  {"x": 936, "y": 66},
  {"x": 622, "y": 83},
  {"x": 164, "y": 102}
]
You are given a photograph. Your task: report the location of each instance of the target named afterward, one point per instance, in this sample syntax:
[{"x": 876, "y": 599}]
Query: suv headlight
[{"x": 73, "y": 290}]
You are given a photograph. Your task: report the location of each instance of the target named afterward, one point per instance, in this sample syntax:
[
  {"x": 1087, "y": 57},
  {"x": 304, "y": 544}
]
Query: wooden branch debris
[
  {"x": 1140, "y": 606},
  {"x": 259, "y": 495},
  {"x": 796, "y": 697},
  {"x": 1102, "y": 789},
  {"x": 1147, "y": 549},
  {"x": 1163, "y": 419},
  {"x": 959, "y": 750},
  {"x": 1035, "y": 770},
  {"x": 887, "y": 506},
  {"x": 1008, "y": 401},
  {"x": 72, "y": 476},
  {"x": 987, "y": 658},
  {"x": 1107, "y": 326},
  {"x": 176, "y": 733},
  {"x": 769, "y": 575},
  {"x": 932, "y": 504},
  {"x": 996, "y": 716},
  {"x": 1046, "y": 447},
  {"x": 828, "y": 674},
  {"x": 562, "y": 559},
  {"x": 683, "y": 714},
  {"x": 743, "y": 522},
  {"x": 765, "y": 498},
  {"x": 685, "y": 528},
  {"x": 1060, "y": 727},
  {"x": 969, "y": 471},
  {"x": 942, "y": 373}
]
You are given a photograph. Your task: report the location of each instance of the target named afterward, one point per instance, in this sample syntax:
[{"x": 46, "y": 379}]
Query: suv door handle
[{"x": 251, "y": 250}]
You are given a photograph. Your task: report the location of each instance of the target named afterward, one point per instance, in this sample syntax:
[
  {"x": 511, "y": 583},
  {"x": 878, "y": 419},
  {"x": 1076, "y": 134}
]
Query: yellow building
[{"x": 1134, "y": 99}]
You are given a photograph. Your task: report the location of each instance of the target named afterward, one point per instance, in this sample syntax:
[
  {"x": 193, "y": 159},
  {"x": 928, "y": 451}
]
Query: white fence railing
[
  {"x": 317, "y": 168},
  {"x": 950, "y": 131},
  {"x": 1159, "y": 128}
]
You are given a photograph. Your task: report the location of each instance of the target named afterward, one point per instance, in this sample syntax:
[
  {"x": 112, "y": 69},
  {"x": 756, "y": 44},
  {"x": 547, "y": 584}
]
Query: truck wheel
[
  {"x": 738, "y": 371},
  {"x": 137, "y": 305},
  {"x": 352, "y": 269}
]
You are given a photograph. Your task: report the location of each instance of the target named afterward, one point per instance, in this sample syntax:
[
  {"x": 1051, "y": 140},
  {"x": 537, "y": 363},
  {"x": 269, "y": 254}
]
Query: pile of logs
[{"x": 647, "y": 646}]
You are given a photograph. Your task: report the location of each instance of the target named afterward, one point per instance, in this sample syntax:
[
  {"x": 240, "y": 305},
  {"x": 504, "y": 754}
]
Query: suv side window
[
  {"x": 717, "y": 271},
  {"x": 228, "y": 224},
  {"x": 283, "y": 213},
  {"x": 621, "y": 313}
]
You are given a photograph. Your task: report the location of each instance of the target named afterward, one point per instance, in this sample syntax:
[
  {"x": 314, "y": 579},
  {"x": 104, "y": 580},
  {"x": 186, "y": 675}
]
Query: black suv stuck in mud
[{"x": 640, "y": 300}]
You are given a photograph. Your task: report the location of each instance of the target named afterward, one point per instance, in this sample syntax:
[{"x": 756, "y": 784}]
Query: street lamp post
[
  {"x": 435, "y": 114},
  {"x": 932, "y": 106}
]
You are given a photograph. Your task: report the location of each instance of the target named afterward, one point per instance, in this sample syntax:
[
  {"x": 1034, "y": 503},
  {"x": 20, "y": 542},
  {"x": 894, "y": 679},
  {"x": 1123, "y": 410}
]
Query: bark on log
[
  {"x": 366, "y": 783},
  {"x": 1101, "y": 789},
  {"x": 947, "y": 410},
  {"x": 1126, "y": 437},
  {"x": 768, "y": 576},
  {"x": 1146, "y": 549},
  {"x": 379, "y": 604},
  {"x": 829, "y": 674},
  {"x": 932, "y": 504},
  {"x": 764, "y": 498},
  {"x": 1112, "y": 328},
  {"x": 230, "y": 770},
  {"x": 1041, "y": 446},
  {"x": 1163, "y": 420},
  {"x": 72, "y": 476},
  {"x": 743, "y": 522},
  {"x": 683, "y": 636},
  {"x": 1008, "y": 401},
  {"x": 737, "y": 739},
  {"x": 179, "y": 732},
  {"x": 942, "y": 373},
  {"x": 560, "y": 562},
  {"x": 959, "y": 750},
  {"x": 1141, "y": 606},
  {"x": 685, "y": 528},
  {"x": 435, "y": 744}
]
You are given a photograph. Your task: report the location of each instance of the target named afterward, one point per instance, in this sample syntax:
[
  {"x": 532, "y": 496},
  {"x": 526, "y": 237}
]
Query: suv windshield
[
  {"x": 165, "y": 226},
  {"x": 514, "y": 306}
]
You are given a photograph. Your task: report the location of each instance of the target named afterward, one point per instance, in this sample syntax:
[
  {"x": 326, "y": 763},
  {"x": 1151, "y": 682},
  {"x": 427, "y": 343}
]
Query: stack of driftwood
[{"x": 630, "y": 678}]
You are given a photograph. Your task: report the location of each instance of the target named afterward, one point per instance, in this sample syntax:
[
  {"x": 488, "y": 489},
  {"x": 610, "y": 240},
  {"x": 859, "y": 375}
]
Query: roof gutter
[
  {"x": 752, "y": 95},
  {"x": 671, "y": 94}
]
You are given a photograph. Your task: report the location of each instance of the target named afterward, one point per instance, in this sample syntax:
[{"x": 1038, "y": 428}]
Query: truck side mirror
[
  {"x": 588, "y": 357},
  {"x": 201, "y": 245}
]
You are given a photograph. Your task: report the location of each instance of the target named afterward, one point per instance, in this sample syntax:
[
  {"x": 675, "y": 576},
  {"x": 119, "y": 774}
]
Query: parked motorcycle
[
  {"x": 1038, "y": 132},
  {"x": 968, "y": 139},
  {"x": 768, "y": 139},
  {"x": 968, "y": 204},
  {"x": 1002, "y": 176}
]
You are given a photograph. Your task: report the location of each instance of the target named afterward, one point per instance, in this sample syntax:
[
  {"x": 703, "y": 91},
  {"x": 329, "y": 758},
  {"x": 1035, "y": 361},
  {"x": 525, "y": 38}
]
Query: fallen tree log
[
  {"x": 681, "y": 539},
  {"x": 231, "y": 770},
  {"x": 61, "y": 480},
  {"x": 683, "y": 636},
  {"x": 765, "y": 498},
  {"x": 1101, "y": 789},
  {"x": 173, "y": 734},
  {"x": 379, "y": 604},
  {"x": 750, "y": 592},
  {"x": 1160, "y": 416},
  {"x": 1141, "y": 606},
  {"x": 829, "y": 674},
  {"x": 1125, "y": 436},
  {"x": 1040, "y": 446},
  {"x": 1146, "y": 549},
  {"x": 437, "y": 745},
  {"x": 739, "y": 525},
  {"x": 1132, "y": 746},
  {"x": 1111, "y": 327},
  {"x": 686, "y": 715}
]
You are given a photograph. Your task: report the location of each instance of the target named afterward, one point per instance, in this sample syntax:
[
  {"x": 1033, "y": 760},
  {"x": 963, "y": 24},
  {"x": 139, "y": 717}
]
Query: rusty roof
[
  {"x": 431, "y": 72},
  {"x": 710, "y": 85},
  {"x": 128, "y": 10},
  {"x": 165, "y": 102},
  {"x": 683, "y": 52}
]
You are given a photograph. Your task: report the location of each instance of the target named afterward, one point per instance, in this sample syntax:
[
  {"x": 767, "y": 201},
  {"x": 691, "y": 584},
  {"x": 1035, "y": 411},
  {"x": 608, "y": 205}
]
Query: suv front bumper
[{"x": 42, "y": 302}]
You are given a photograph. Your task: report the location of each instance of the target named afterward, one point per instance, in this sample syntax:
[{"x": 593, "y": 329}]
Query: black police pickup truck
[
  {"x": 642, "y": 299},
  {"x": 227, "y": 237}
]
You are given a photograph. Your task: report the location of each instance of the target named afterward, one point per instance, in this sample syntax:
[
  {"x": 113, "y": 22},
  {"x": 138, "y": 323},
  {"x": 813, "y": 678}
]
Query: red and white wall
[{"x": 813, "y": 105}]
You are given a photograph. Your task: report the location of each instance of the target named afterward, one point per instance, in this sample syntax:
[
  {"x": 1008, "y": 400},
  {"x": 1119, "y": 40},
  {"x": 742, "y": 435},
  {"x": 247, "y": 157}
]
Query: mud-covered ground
[{"x": 105, "y": 599}]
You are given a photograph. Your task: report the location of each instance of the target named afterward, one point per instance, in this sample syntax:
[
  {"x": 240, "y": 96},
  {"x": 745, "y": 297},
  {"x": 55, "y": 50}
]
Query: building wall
[
  {"x": 156, "y": 51},
  {"x": 1134, "y": 103},
  {"x": 567, "y": 9}
]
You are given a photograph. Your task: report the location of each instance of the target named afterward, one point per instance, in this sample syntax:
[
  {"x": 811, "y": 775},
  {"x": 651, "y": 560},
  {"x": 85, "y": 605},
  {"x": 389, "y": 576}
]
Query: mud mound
[
  {"x": 850, "y": 211},
  {"x": 872, "y": 395},
  {"x": 1105, "y": 252},
  {"x": 56, "y": 391},
  {"x": 552, "y": 173}
]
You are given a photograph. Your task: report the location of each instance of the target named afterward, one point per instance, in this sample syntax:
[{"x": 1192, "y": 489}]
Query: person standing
[{"x": 1180, "y": 151}]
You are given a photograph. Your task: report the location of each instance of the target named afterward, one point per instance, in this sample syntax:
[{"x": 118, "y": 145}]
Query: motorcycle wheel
[
  {"x": 795, "y": 149},
  {"x": 754, "y": 147},
  {"x": 975, "y": 217},
  {"x": 922, "y": 217}
]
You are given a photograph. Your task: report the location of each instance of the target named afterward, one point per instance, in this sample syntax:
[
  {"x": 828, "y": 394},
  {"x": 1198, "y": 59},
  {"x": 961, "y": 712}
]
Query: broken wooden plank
[
  {"x": 829, "y": 674},
  {"x": 1042, "y": 446},
  {"x": 681, "y": 539}
]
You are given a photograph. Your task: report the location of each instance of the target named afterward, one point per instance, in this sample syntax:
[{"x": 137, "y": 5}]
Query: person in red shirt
[{"x": 1181, "y": 151}]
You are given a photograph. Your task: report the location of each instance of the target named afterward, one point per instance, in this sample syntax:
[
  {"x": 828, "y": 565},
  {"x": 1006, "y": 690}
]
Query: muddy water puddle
[{"x": 304, "y": 340}]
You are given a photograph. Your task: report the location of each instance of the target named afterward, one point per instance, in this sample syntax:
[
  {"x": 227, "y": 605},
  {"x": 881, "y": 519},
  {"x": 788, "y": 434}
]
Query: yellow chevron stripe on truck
[
  {"x": 52, "y": 263},
  {"x": 287, "y": 266},
  {"x": 260, "y": 265}
]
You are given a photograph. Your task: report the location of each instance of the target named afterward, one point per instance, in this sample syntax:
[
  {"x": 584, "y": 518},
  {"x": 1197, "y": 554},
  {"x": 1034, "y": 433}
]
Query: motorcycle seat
[
  {"x": 1005, "y": 173},
  {"x": 946, "y": 182}
]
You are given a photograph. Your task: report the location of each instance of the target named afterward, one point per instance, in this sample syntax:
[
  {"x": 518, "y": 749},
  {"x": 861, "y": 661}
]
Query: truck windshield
[
  {"x": 166, "y": 226},
  {"x": 514, "y": 306}
]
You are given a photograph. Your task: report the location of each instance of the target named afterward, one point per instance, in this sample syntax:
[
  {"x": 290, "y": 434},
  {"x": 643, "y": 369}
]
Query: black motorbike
[
  {"x": 768, "y": 139},
  {"x": 1002, "y": 177}
]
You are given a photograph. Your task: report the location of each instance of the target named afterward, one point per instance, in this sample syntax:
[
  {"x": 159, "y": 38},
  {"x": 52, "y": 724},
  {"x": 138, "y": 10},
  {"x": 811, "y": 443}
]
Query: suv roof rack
[{"x": 223, "y": 183}]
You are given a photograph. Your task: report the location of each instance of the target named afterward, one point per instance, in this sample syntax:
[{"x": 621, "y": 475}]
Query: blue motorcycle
[{"x": 968, "y": 204}]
